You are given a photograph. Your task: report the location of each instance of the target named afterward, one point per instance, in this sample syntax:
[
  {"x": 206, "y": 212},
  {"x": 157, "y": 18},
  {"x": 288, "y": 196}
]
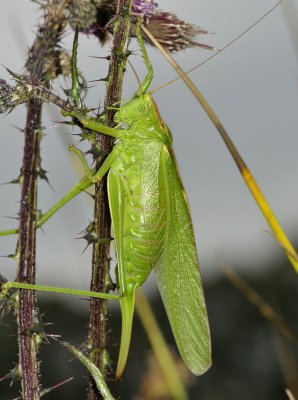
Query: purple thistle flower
[
  {"x": 171, "y": 31},
  {"x": 146, "y": 8}
]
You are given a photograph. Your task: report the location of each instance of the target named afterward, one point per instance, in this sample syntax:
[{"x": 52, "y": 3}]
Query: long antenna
[
  {"x": 135, "y": 72},
  {"x": 243, "y": 168},
  {"x": 213, "y": 55}
]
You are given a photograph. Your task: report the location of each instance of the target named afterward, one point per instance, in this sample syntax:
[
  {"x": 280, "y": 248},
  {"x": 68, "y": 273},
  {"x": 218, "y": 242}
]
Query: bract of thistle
[
  {"x": 5, "y": 97},
  {"x": 26, "y": 88},
  {"x": 174, "y": 33},
  {"x": 12, "y": 96},
  {"x": 82, "y": 14}
]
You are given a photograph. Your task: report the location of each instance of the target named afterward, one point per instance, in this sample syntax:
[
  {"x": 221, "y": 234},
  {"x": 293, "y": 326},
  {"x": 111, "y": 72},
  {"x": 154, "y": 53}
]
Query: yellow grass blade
[{"x": 278, "y": 232}]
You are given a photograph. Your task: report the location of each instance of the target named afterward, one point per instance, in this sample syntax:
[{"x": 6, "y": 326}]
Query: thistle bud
[
  {"x": 12, "y": 96},
  {"x": 26, "y": 88},
  {"x": 82, "y": 14},
  {"x": 6, "y": 92}
]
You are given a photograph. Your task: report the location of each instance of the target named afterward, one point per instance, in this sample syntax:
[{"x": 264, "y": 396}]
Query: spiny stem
[
  {"x": 46, "y": 40},
  {"x": 27, "y": 244},
  {"x": 97, "y": 336}
]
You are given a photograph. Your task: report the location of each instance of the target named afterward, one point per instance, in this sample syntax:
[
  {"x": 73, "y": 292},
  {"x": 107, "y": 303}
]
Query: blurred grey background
[{"x": 252, "y": 87}]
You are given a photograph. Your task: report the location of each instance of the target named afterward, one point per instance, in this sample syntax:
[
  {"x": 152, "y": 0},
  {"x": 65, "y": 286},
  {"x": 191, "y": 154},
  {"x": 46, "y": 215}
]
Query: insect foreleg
[
  {"x": 94, "y": 125},
  {"x": 82, "y": 185},
  {"x": 75, "y": 92},
  {"x": 148, "y": 78},
  {"x": 88, "y": 171}
]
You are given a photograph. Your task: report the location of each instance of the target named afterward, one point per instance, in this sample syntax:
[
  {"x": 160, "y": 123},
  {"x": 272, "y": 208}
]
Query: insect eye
[{"x": 142, "y": 108}]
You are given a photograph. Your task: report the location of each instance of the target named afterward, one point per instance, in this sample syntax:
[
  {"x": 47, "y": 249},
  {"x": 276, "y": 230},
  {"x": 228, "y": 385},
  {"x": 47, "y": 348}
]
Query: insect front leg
[
  {"x": 148, "y": 78},
  {"x": 94, "y": 125},
  {"x": 75, "y": 92},
  {"x": 90, "y": 176}
]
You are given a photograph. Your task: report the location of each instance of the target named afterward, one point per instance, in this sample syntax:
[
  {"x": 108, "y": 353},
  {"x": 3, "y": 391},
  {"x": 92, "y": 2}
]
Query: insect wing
[{"x": 178, "y": 275}]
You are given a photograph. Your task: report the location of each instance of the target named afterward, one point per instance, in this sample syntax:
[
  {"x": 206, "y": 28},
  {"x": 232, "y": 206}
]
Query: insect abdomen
[{"x": 144, "y": 220}]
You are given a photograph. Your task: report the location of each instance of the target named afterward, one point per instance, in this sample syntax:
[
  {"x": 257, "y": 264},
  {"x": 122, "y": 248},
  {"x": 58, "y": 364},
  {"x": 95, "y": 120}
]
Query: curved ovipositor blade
[{"x": 127, "y": 304}]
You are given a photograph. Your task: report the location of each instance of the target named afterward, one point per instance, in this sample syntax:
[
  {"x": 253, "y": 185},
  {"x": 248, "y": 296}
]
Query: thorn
[
  {"x": 42, "y": 173},
  {"x": 52, "y": 335},
  {"x": 14, "y": 374},
  {"x": 86, "y": 247},
  {"x": 89, "y": 228},
  {"x": 13, "y": 74},
  {"x": 66, "y": 91},
  {"x": 101, "y": 58},
  {"x": 47, "y": 390},
  {"x": 12, "y": 256},
  {"x": 18, "y": 128},
  {"x": 67, "y": 123},
  {"x": 90, "y": 237},
  {"x": 17, "y": 180},
  {"x": 101, "y": 80},
  {"x": 9, "y": 217},
  {"x": 129, "y": 53}
]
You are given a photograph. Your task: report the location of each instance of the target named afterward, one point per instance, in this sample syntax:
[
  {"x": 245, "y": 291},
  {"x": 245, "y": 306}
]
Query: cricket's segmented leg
[
  {"x": 148, "y": 78},
  {"x": 5, "y": 287}
]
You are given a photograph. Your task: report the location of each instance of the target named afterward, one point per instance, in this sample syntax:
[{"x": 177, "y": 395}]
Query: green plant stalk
[
  {"x": 97, "y": 336},
  {"x": 93, "y": 370},
  {"x": 160, "y": 347}
]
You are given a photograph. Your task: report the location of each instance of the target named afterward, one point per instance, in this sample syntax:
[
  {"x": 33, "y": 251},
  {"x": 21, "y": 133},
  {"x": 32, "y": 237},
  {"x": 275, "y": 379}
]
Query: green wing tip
[
  {"x": 201, "y": 370},
  {"x": 200, "y": 364}
]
